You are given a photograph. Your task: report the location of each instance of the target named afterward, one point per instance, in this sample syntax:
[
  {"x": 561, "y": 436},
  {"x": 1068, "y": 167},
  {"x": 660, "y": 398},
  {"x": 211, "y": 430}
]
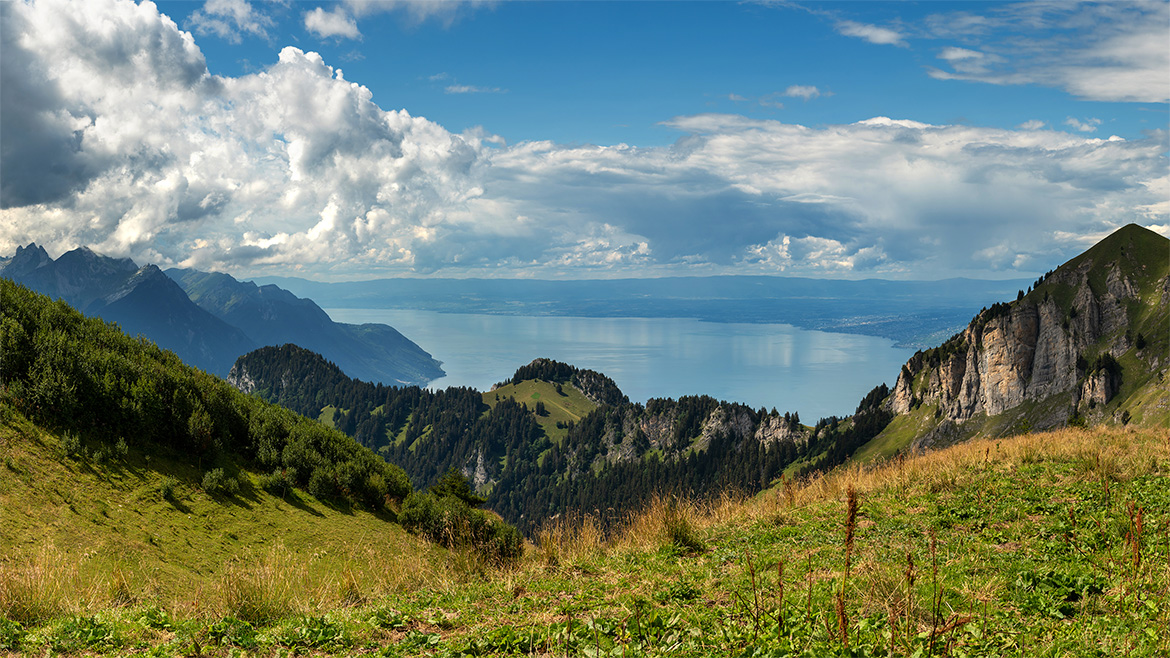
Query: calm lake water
[{"x": 815, "y": 373}]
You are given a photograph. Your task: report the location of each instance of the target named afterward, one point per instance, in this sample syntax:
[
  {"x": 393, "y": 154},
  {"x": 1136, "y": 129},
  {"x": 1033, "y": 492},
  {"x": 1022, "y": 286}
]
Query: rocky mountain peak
[
  {"x": 26, "y": 260},
  {"x": 1040, "y": 349}
]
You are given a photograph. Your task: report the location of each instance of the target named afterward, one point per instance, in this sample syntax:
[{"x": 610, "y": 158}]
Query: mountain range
[
  {"x": 210, "y": 319},
  {"x": 1087, "y": 343}
]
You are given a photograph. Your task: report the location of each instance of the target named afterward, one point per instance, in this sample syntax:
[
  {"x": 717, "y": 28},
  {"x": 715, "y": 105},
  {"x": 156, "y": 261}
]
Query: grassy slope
[
  {"x": 1029, "y": 536},
  {"x": 898, "y": 434},
  {"x": 96, "y": 520},
  {"x": 568, "y": 406}
]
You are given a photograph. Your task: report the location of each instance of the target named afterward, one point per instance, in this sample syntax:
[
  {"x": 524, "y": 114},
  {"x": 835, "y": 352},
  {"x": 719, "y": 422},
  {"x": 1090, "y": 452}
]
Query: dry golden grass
[
  {"x": 275, "y": 582},
  {"x": 257, "y": 585},
  {"x": 1115, "y": 453},
  {"x": 44, "y": 585},
  {"x": 569, "y": 538}
]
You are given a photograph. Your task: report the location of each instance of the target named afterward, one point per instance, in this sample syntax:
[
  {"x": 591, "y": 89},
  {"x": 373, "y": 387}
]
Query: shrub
[
  {"x": 321, "y": 483},
  {"x": 278, "y": 483},
  {"x": 453, "y": 523},
  {"x": 71, "y": 444},
  {"x": 215, "y": 481},
  {"x": 167, "y": 487}
]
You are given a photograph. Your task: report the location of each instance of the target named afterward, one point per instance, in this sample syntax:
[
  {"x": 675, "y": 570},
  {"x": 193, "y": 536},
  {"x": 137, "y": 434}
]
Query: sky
[{"x": 540, "y": 139}]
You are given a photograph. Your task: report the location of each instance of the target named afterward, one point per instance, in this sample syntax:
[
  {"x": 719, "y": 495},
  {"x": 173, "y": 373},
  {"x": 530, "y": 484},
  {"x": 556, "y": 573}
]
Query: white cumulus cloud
[
  {"x": 228, "y": 19},
  {"x": 336, "y": 23}
]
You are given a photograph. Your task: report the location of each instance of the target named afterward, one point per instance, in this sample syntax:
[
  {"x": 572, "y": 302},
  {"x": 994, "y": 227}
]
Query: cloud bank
[{"x": 115, "y": 135}]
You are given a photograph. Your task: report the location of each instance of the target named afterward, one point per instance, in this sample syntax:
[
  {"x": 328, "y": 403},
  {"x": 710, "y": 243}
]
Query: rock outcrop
[{"x": 1062, "y": 338}]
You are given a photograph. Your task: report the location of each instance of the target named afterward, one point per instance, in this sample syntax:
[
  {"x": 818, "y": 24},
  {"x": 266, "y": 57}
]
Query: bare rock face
[
  {"x": 659, "y": 429},
  {"x": 775, "y": 430},
  {"x": 1097, "y": 389},
  {"x": 241, "y": 379},
  {"x": 722, "y": 423},
  {"x": 1025, "y": 351},
  {"x": 1005, "y": 362},
  {"x": 1054, "y": 365},
  {"x": 478, "y": 476}
]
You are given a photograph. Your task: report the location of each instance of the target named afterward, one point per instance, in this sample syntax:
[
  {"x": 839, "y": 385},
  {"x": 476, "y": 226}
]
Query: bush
[
  {"x": 71, "y": 444},
  {"x": 215, "y": 481},
  {"x": 322, "y": 485},
  {"x": 167, "y": 487},
  {"x": 279, "y": 483},
  {"x": 453, "y": 523}
]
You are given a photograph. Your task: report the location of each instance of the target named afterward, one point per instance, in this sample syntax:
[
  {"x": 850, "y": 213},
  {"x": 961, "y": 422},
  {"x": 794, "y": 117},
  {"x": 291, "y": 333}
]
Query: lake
[{"x": 815, "y": 373}]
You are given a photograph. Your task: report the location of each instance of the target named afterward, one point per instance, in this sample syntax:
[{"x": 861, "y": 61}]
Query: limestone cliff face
[
  {"x": 1029, "y": 350},
  {"x": 774, "y": 429},
  {"x": 657, "y": 431},
  {"x": 240, "y": 378}
]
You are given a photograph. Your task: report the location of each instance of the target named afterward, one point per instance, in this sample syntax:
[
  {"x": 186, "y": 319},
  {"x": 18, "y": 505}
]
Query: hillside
[
  {"x": 81, "y": 375},
  {"x": 142, "y": 526},
  {"x": 1047, "y": 544},
  {"x": 1088, "y": 343},
  {"x": 555, "y": 439}
]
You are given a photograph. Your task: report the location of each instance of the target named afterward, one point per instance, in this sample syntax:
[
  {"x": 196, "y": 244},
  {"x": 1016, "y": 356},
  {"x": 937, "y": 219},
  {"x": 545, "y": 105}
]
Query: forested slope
[
  {"x": 614, "y": 458},
  {"x": 81, "y": 375}
]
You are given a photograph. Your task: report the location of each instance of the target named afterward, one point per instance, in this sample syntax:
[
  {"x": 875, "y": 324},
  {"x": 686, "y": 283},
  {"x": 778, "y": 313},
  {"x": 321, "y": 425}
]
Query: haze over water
[{"x": 815, "y": 373}]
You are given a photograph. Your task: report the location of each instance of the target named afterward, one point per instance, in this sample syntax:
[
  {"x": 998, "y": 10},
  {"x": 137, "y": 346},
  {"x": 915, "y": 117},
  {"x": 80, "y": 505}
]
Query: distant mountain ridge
[
  {"x": 911, "y": 313},
  {"x": 610, "y": 454},
  {"x": 142, "y": 300},
  {"x": 273, "y": 316},
  {"x": 217, "y": 318}
]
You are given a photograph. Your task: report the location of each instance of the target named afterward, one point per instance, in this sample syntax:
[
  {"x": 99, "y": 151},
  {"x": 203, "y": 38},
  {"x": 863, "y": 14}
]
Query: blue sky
[
  {"x": 611, "y": 72},
  {"x": 584, "y": 139}
]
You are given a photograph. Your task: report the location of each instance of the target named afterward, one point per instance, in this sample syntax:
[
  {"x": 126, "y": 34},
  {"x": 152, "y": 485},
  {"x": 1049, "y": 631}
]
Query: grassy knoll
[
  {"x": 1054, "y": 544},
  {"x": 568, "y": 406}
]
